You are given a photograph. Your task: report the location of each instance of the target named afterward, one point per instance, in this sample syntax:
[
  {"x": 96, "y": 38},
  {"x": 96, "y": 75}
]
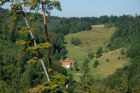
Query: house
[{"x": 67, "y": 63}]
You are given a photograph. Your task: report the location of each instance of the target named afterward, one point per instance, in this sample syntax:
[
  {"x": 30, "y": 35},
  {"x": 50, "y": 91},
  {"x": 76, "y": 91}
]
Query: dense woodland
[
  {"x": 17, "y": 76},
  {"x": 126, "y": 80}
]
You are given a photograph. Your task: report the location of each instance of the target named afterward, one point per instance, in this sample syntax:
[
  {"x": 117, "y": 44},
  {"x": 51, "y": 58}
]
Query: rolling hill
[{"x": 90, "y": 42}]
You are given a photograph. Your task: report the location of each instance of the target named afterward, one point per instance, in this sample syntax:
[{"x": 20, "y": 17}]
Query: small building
[{"x": 67, "y": 63}]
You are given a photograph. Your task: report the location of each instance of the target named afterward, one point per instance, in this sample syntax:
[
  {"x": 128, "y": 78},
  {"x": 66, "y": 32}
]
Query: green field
[{"x": 90, "y": 42}]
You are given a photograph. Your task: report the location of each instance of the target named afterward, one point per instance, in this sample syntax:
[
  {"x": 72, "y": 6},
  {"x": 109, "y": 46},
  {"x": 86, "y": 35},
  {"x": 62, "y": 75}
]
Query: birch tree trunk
[{"x": 35, "y": 44}]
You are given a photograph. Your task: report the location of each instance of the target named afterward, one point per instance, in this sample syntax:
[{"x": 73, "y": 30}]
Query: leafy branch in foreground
[
  {"x": 56, "y": 85},
  {"x": 39, "y": 46}
]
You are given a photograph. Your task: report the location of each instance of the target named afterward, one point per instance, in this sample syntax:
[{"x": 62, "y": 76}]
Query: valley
[{"x": 97, "y": 37}]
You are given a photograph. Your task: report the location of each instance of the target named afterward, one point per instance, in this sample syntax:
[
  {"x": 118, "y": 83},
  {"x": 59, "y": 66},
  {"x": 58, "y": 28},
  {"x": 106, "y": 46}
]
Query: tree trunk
[
  {"x": 35, "y": 44},
  {"x": 46, "y": 34}
]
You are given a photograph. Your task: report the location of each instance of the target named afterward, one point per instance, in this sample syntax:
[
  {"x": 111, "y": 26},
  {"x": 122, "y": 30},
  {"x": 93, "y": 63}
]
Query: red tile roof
[{"x": 67, "y": 62}]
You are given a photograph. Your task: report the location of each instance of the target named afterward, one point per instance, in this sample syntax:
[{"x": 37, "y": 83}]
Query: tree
[
  {"x": 99, "y": 52},
  {"x": 51, "y": 4},
  {"x": 76, "y": 67},
  {"x": 107, "y": 60},
  {"x": 122, "y": 52},
  {"x": 57, "y": 85},
  {"x": 1, "y": 67},
  {"x": 33, "y": 49},
  {"x": 91, "y": 55},
  {"x": 85, "y": 63},
  {"x": 84, "y": 86},
  {"x": 17, "y": 12},
  {"x": 2, "y": 86},
  {"x": 75, "y": 41},
  {"x": 96, "y": 63}
]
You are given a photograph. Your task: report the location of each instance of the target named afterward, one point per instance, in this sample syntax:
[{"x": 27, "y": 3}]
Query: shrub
[
  {"x": 76, "y": 67},
  {"x": 107, "y": 60},
  {"x": 99, "y": 52},
  {"x": 91, "y": 55},
  {"x": 119, "y": 58},
  {"x": 75, "y": 41},
  {"x": 122, "y": 52},
  {"x": 85, "y": 63},
  {"x": 96, "y": 63}
]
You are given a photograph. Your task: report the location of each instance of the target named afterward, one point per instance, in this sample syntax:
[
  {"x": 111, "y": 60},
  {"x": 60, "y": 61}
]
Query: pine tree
[
  {"x": 84, "y": 86},
  {"x": 99, "y": 52},
  {"x": 96, "y": 63},
  {"x": 51, "y": 4}
]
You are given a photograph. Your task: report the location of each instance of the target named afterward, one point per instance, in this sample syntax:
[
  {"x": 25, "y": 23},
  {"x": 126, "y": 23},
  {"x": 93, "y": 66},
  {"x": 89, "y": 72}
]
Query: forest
[{"x": 23, "y": 55}]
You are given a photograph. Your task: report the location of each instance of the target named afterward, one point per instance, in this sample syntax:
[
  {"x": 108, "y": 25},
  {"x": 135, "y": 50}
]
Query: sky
[
  {"x": 88, "y": 8},
  {"x": 84, "y": 8}
]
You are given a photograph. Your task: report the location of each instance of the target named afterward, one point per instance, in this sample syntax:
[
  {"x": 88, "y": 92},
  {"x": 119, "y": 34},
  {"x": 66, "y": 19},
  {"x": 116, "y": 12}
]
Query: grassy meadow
[
  {"x": 108, "y": 63},
  {"x": 90, "y": 42}
]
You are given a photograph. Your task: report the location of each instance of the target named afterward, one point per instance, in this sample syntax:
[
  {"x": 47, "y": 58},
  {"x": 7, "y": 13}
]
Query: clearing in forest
[{"x": 90, "y": 42}]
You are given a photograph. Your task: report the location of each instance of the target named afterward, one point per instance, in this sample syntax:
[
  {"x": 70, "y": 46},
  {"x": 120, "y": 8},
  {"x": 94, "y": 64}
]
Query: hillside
[
  {"x": 109, "y": 62},
  {"x": 90, "y": 42}
]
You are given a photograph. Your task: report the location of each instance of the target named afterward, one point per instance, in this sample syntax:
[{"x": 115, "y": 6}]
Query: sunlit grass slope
[
  {"x": 108, "y": 63},
  {"x": 90, "y": 42}
]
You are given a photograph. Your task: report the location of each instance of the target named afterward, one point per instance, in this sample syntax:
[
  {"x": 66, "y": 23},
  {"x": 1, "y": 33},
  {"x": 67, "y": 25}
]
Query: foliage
[
  {"x": 76, "y": 67},
  {"x": 75, "y": 41},
  {"x": 99, "y": 52},
  {"x": 84, "y": 85},
  {"x": 57, "y": 85},
  {"x": 39, "y": 46},
  {"x": 91, "y": 55},
  {"x": 85, "y": 63},
  {"x": 33, "y": 60},
  {"x": 107, "y": 60},
  {"x": 124, "y": 80},
  {"x": 16, "y": 25},
  {"x": 17, "y": 76},
  {"x": 22, "y": 42},
  {"x": 57, "y": 67},
  {"x": 122, "y": 52},
  {"x": 96, "y": 63}
]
